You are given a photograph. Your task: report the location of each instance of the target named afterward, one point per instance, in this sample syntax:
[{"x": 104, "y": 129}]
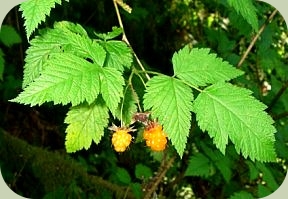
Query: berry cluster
[
  {"x": 153, "y": 134},
  {"x": 155, "y": 137}
]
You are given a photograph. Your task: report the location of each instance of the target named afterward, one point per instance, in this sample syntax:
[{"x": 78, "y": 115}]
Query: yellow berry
[
  {"x": 155, "y": 137},
  {"x": 121, "y": 139}
]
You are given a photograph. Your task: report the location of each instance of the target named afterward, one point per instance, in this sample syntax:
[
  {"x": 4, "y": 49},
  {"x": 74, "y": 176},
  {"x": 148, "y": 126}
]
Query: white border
[{"x": 280, "y": 5}]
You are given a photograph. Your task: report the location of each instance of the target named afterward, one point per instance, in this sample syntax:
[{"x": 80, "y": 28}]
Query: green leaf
[
  {"x": 34, "y": 12},
  {"x": 221, "y": 162},
  {"x": 199, "y": 68},
  {"x": 2, "y": 64},
  {"x": 242, "y": 195},
  {"x": 38, "y": 53},
  {"x": 67, "y": 78},
  {"x": 267, "y": 176},
  {"x": 199, "y": 165},
  {"x": 170, "y": 102},
  {"x": 253, "y": 171},
  {"x": 123, "y": 175},
  {"x": 67, "y": 37},
  {"x": 263, "y": 191},
  {"x": 247, "y": 10},
  {"x": 111, "y": 87},
  {"x": 85, "y": 123},
  {"x": 116, "y": 31},
  {"x": 226, "y": 111},
  {"x": 143, "y": 172},
  {"x": 127, "y": 105},
  {"x": 9, "y": 36},
  {"x": 119, "y": 55}
]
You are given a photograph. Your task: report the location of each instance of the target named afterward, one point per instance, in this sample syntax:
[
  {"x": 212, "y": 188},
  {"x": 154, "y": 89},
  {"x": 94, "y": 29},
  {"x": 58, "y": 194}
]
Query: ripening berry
[
  {"x": 155, "y": 137},
  {"x": 121, "y": 139}
]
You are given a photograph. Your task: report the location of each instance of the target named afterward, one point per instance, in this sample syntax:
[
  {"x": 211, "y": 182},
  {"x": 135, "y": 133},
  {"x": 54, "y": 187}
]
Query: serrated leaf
[
  {"x": 247, "y": 10},
  {"x": 69, "y": 79},
  {"x": 86, "y": 123},
  {"x": 9, "y": 36},
  {"x": 37, "y": 54},
  {"x": 170, "y": 102},
  {"x": 112, "y": 83},
  {"x": 119, "y": 55},
  {"x": 242, "y": 195},
  {"x": 116, "y": 31},
  {"x": 35, "y": 12},
  {"x": 127, "y": 106},
  {"x": 2, "y": 62},
  {"x": 199, "y": 68},
  {"x": 67, "y": 37},
  {"x": 226, "y": 111},
  {"x": 199, "y": 165}
]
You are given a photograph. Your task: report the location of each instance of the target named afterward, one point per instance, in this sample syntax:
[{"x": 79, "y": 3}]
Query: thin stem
[
  {"x": 124, "y": 38},
  {"x": 158, "y": 178},
  {"x": 281, "y": 115},
  {"x": 277, "y": 96},
  {"x": 255, "y": 38}
]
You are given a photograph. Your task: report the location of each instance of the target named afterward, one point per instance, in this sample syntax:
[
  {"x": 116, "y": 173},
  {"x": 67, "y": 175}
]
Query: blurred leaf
[
  {"x": 143, "y": 172},
  {"x": 123, "y": 175},
  {"x": 2, "y": 64},
  {"x": 242, "y": 195},
  {"x": 199, "y": 165},
  {"x": 9, "y": 36},
  {"x": 247, "y": 10}
]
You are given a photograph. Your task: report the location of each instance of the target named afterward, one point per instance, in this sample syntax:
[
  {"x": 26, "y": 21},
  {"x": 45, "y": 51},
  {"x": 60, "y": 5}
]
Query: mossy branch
[{"x": 53, "y": 169}]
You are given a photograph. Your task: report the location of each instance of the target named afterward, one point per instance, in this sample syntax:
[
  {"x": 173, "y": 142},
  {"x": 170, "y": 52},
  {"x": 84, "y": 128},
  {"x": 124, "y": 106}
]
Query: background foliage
[{"x": 156, "y": 30}]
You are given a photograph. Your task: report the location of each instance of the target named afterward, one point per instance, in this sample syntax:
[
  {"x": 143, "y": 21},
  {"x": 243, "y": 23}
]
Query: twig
[
  {"x": 279, "y": 116},
  {"x": 255, "y": 38},
  {"x": 124, "y": 38},
  {"x": 277, "y": 96},
  {"x": 158, "y": 178}
]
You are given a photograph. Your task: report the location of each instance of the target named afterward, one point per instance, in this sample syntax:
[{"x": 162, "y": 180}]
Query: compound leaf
[
  {"x": 69, "y": 79},
  {"x": 111, "y": 87},
  {"x": 86, "y": 123},
  {"x": 34, "y": 12},
  {"x": 247, "y": 10},
  {"x": 200, "y": 68},
  {"x": 226, "y": 111},
  {"x": 170, "y": 102}
]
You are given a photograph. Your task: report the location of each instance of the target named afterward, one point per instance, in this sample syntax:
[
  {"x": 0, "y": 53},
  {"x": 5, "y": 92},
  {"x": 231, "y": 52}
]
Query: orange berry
[
  {"x": 155, "y": 137},
  {"x": 121, "y": 139}
]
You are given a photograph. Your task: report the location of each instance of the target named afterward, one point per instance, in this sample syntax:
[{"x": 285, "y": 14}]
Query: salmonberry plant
[{"x": 108, "y": 87}]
